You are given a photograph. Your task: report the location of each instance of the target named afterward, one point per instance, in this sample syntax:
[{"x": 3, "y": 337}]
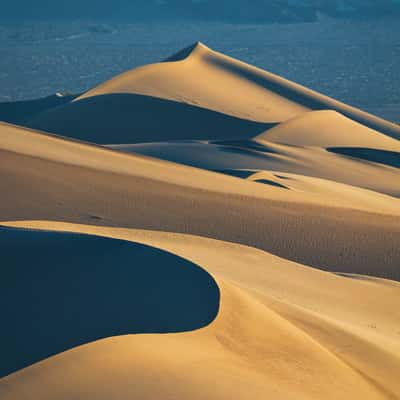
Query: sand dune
[
  {"x": 189, "y": 76},
  {"x": 203, "y": 230},
  {"x": 195, "y": 77},
  {"x": 282, "y": 328},
  {"x": 70, "y": 304},
  {"x": 93, "y": 184}
]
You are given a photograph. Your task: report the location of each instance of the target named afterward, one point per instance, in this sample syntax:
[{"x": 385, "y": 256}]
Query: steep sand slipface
[
  {"x": 167, "y": 276},
  {"x": 282, "y": 329},
  {"x": 70, "y": 290}
]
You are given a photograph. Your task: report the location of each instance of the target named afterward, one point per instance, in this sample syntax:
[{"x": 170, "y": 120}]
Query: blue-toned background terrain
[{"x": 350, "y": 50}]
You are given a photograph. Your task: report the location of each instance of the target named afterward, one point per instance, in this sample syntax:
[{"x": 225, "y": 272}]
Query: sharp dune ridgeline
[{"x": 199, "y": 229}]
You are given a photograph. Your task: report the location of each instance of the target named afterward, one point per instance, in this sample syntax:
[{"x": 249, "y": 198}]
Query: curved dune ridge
[
  {"x": 203, "y": 229},
  {"x": 282, "y": 328},
  {"x": 69, "y": 289}
]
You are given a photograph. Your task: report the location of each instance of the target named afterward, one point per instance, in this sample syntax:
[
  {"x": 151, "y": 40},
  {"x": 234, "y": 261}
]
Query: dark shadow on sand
[
  {"x": 133, "y": 118},
  {"x": 61, "y": 290},
  {"x": 238, "y": 173},
  {"x": 248, "y": 145},
  {"x": 272, "y": 183},
  {"x": 390, "y": 158},
  {"x": 20, "y": 112}
]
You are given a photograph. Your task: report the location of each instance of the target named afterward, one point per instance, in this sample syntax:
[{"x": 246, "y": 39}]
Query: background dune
[{"x": 202, "y": 77}]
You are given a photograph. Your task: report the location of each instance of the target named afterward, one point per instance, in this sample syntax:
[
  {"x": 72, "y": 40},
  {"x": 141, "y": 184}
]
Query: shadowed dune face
[
  {"x": 64, "y": 290},
  {"x": 124, "y": 117},
  {"x": 237, "y": 157},
  {"x": 217, "y": 155},
  {"x": 390, "y": 158},
  {"x": 20, "y": 112},
  {"x": 270, "y": 182}
]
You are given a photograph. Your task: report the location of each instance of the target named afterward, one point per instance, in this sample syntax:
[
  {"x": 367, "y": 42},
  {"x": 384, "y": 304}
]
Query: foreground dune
[
  {"x": 96, "y": 301},
  {"x": 282, "y": 329},
  {"x": 203, "y": 230}
]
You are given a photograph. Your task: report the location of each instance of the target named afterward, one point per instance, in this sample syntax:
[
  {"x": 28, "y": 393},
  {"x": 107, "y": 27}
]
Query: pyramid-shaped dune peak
[
  {"x": 203, "y": 77},
  {"x": 196, "y": 49}
]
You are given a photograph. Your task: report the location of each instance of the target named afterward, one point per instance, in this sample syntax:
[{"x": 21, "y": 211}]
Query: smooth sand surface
[{"x": 203, "y": 230}]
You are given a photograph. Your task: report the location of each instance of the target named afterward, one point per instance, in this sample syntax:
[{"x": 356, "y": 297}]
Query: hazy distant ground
[{"x": 356, "y": 62}]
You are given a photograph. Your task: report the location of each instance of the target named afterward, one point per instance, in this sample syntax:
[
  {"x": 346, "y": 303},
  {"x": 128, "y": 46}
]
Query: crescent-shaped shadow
[{"x": 61, "y": 290}]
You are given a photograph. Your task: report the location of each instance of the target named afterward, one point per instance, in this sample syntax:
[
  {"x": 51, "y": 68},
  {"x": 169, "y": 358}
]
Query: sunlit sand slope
[
  {"x": 282, "y": 328},
  {"x": 45, "y": 177}
]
